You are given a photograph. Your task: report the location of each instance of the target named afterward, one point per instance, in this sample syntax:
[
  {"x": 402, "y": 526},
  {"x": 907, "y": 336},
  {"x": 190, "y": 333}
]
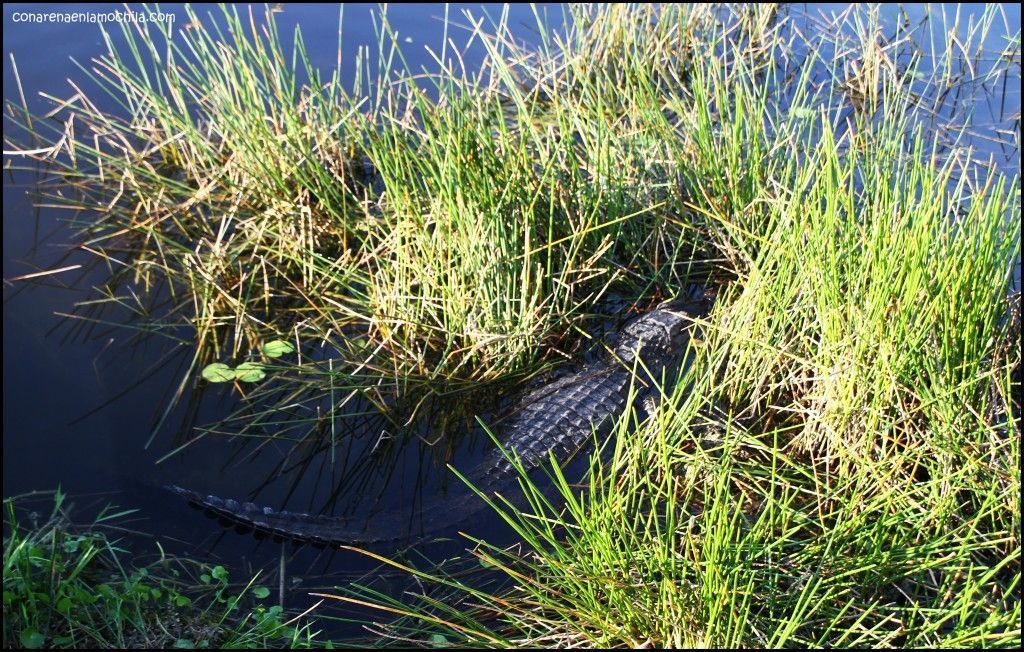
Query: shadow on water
[{"x": 84, "y": 391}]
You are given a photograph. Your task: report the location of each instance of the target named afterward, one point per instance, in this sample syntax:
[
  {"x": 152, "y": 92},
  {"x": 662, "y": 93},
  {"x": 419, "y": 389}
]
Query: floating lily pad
[
  {"x": 277, "y": 348},
  {"x": 218, "y": 372},
  {"x": 250, "y": 372}
]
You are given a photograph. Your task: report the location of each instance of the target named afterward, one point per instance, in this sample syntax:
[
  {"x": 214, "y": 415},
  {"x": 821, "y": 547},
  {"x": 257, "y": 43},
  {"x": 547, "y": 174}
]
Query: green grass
[
  {"x": 840, "y": 467},
  {"x": 69, "y": 586},
  {"x": 452, "y": 227}
]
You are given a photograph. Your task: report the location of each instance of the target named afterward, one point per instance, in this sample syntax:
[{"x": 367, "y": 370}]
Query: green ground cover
[{"x": 75, "y": 586}]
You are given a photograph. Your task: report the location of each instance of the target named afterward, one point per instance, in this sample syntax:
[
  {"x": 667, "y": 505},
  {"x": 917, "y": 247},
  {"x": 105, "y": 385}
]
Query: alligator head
[{"x": 659, "y": 334}]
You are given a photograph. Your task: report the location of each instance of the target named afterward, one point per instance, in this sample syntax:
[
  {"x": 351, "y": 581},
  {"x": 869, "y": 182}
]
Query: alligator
[{"x": 558, "y": 418}]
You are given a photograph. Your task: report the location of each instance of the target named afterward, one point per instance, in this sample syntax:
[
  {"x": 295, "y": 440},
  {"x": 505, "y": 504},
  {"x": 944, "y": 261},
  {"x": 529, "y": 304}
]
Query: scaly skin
[{"x": 558, "y": 418}]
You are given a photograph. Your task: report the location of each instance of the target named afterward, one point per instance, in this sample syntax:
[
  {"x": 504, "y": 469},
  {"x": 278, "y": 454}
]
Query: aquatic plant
[
  {"x": 446, "y": 228},
  {"x": 71, "y": 586}
]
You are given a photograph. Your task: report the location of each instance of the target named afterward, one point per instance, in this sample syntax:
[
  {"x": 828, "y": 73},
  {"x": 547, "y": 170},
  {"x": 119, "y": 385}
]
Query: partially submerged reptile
[{"x": 557, "y": 418}]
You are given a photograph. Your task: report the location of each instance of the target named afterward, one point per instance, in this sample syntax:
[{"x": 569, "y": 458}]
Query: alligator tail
[
  {"x": 322, "y": 530},
  {"x": 308, "y": 528}
]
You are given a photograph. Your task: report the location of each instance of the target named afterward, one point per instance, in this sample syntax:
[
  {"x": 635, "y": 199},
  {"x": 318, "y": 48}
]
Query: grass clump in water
[{"x": 447, "y": 228}]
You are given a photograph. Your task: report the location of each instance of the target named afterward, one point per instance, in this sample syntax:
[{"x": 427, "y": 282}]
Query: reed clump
[
  {"x": 840, "y": 465},
  {"x": 448, "y": 228}
]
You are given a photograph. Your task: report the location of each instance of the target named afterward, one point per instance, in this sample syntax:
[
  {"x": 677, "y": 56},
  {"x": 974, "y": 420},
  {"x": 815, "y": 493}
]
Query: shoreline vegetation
[
  {"x": 839, "y": 467},
  {"x": 76, "y": 586}
]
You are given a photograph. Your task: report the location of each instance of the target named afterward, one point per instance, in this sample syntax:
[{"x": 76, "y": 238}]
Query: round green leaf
[
  {"x": 250, "y": 372},
  {"x": 261, "y": 592},
  {"x": 277, "y": 348},
  {"x": 32, "y": 640},
  {"x": 218, "y": 372}
]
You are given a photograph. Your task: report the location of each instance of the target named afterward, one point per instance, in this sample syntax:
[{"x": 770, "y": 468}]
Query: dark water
[{"x": 82, "y": 400}]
